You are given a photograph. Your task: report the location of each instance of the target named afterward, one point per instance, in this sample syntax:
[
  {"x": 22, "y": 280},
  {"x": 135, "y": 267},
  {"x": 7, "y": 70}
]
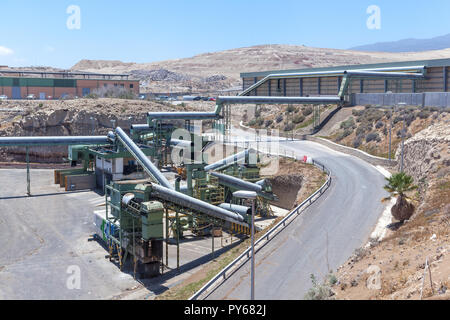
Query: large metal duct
[
  {"x": 229, "y": 160},
  {"x": 183, "y": 200},
  {"x": 52, "y": 141},
  {"x": 145, "y": 162},
  {"x": 181, "y": 143},
  {"x": 242, "y": 210},
  {"x": 237, "y": 183},
  {"x": 278, "y": 100},
  {"x": 384, "y": 75},
  {"x": 183, "y": 116}
]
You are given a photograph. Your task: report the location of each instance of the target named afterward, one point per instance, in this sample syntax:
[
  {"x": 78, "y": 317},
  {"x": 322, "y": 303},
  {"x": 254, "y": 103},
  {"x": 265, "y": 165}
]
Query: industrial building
[
  {"x": 416, "y": 82},
  {"x": 19, "y": 84},
  {"x": 142, "y": 207}
]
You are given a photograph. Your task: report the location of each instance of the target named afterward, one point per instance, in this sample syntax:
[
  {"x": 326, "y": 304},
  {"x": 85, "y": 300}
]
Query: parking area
[{"x": 47, "y": 242}]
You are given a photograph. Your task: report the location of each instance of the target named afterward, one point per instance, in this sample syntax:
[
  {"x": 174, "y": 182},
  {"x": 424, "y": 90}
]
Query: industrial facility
[
  {"x": 143, "y": 207},
  {"x": 423, "y": 83},
  {"x": 20, "y": 84}
]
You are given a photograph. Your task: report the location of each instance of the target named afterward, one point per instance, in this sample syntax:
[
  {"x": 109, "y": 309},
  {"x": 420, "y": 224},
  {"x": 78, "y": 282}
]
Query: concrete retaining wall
[
  {"x": 428, "y": 99},
  {"x": 376, "y": 161}
]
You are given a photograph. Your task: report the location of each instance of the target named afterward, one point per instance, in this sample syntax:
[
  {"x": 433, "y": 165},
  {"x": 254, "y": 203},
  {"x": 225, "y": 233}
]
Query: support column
[
  {"x": 212, "y": 241},
  {"x": 167, "y": 238},
  {"x": 445, "y": 76},
  {"x": 28, "y": 172},
  {"x": 178, "y": 239},
  {"x": 301, "y": 87}
]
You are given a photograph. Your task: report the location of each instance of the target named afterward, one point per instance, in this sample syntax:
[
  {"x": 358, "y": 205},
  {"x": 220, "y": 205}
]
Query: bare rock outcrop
[{"x": 427, "y": 152}]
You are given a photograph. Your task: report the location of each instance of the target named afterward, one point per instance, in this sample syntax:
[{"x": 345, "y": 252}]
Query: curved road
[{"x": 322, "y": 238}]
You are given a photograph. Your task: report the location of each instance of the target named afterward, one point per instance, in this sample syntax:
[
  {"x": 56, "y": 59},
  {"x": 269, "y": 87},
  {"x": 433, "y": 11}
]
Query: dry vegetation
[
  {"x": 285, "y": 118},
  {"x": 401, "y": 255},
  {"x": 367, "y": 128}
]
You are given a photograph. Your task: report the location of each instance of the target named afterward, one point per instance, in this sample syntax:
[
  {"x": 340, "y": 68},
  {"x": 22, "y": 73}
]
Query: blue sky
[{"x": 34, "y": 32}]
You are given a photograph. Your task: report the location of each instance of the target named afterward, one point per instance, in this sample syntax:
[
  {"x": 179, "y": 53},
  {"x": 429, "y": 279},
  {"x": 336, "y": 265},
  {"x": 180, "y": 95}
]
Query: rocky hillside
[
  {"x": 74, "y": 117},
  {"x": 220, "y": 70},
  {"x": 367, "y": 128},
  {"x": 395, "y": 267}
]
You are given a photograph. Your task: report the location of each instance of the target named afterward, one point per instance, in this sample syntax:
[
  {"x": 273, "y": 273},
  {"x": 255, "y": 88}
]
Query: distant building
[
  {"x": 423, "y": 83},
  {"x": 18, "y": 84}
]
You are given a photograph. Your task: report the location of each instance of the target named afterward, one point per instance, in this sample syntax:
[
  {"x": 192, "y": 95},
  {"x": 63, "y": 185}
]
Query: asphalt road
[{"x": 322, "y": 238}]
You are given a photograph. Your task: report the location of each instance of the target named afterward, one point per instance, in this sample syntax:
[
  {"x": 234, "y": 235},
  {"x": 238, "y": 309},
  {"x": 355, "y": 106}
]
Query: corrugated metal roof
[{"x": 426, "y": 63}]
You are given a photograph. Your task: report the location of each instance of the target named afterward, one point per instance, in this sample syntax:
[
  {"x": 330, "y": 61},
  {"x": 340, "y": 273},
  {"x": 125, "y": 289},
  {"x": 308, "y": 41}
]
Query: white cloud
[{"x": 4, "y": 51}]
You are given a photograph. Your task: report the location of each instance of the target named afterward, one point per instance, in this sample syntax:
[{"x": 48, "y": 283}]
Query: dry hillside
[
  {"x": 220, "y": 70},
  {"x": 398, "y": 261}
]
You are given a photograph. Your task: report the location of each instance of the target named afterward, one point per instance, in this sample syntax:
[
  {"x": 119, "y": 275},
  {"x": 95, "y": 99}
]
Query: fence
[{"x": 427, "y": 99}]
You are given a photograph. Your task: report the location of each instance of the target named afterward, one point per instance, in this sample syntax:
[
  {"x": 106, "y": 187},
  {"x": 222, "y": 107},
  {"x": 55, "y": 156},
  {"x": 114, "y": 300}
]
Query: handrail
[{"x": 266, "y": 236}]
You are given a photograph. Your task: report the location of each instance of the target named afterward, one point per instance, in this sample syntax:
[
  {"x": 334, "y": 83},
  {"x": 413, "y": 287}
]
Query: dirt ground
[
  {"x": 394, "y": 268},
  {"x": 294, "y": 182},
  {"x": 399, "y": 259}
]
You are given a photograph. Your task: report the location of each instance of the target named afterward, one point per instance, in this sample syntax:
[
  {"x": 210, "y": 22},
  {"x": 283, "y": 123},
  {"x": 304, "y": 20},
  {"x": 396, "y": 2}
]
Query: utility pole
[
  {"x": 251, "y": 195},
  {"x": 390, "y": 131},
  {"x": 403, "y": 138}
]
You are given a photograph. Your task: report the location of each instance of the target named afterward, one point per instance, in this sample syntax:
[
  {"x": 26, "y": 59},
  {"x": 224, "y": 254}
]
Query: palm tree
[{"x": 398, "y": 185}]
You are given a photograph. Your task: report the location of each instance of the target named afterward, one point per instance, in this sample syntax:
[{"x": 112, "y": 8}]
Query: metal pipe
[
  {"x": 181, "y": 143},
  {"x": 384, "y": 75},
  {"x": 228, "y": 161},
  {"x": 278, "y": 100},
  {"x": 237, "y": 183},
  {"x": 195, "y": 204},
  {"x": 145, "y": 162},
  {"x": 242, "y": 210},
  {"x": 49, "y": 141},
  {"x": 182, "y": 116}
]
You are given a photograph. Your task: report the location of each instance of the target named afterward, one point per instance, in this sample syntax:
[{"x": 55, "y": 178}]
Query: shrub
[
  {"x": 320, "y": 291},
  {"x": 298, "y": 119},
  {"x": 344, "y": 134},
  {"x": 373, "y": 115},
  {"x": 379, "y": 124},
  {"x": 268, "y": 123},
  {"x": 279, "y": 118},
  {"x": 397, "y": 119},
  {"x": 363, "y": 128},
  {"x": 290, "y": 108},
  {"x": 259, "y": 121},
  {"x": 347, "y": 124},
  {"x": 399, "y": 133},
  {"x": 357, "y": 141},
  {"x": 423, "y": 114},
  {"x": 307, "y": 111},
  {"x": 372, "y": 137},
  {"x": 289, "y": 127},
  {"x": 357, "y": 113},
  {"x": 409, "y": 118},
  {"x": 252, "y": 122}
]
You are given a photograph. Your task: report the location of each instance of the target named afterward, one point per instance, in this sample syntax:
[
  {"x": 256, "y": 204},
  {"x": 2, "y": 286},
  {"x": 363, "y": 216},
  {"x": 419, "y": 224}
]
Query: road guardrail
[{"x": 263, "y": 240}]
